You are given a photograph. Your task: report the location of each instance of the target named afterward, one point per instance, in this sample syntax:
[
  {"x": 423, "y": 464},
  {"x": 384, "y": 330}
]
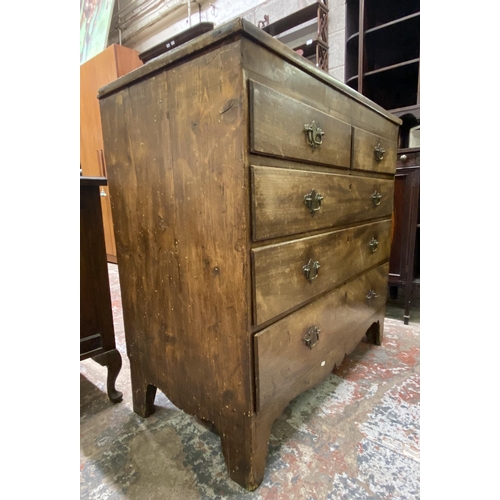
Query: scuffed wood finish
[
  {"x": 284, "y": 359},
  {"x": 280, "y": 283},
  {"x": 181, "y": 232},
  {"x": 277, "y": 128},
  {"x": 279, "y": 209},
  {"x": 186, "y": 204},
  {"x": 363, "y": 152}
]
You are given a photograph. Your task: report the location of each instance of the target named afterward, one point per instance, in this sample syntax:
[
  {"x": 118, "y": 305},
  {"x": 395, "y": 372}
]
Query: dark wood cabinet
[
  {"x": 404, "y": 262},
  {"x": 253, "y": 241},
  {"x": 97, "y": 334}
]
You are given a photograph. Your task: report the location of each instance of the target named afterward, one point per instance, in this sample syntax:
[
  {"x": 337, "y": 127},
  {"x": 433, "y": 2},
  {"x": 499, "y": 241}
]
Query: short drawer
[
  {"x": 373, "y": 153},
  {"x": 288, "y": 274},
  {"x": 286, "y": 202},
  {"x": 286, "y": 365},
  {"x": 409, "y": 159},
  {"x": 284, "y": 127}
]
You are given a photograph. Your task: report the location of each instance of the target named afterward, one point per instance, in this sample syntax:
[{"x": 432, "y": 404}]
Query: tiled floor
[{"x": 355, "y": 436}]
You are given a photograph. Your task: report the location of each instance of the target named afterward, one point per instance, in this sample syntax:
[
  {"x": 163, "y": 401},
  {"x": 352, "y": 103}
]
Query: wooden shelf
[
  {"x": 392, "y": 43},
  {"x": 393, "y": 23},
  {"x": 382, "y": 56},
  {"x": 393, "y": 87},
  {"x": 392, "y": 67},
  {"x": 381, "y": 12}
]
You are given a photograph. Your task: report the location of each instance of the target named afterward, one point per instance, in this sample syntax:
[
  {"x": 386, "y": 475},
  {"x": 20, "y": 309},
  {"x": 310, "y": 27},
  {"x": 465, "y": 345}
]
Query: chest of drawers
[{"x": 252, "y": 198}]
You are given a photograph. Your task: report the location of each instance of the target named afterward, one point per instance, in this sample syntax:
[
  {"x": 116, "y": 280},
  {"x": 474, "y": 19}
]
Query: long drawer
[
  {"x": 284, "y": 127},
  {"x": 284, "y": 360},
  {"x": 373, "y": 153},
  {"x": 288, "y": 274},
  {"x": 286, "y": 202}
]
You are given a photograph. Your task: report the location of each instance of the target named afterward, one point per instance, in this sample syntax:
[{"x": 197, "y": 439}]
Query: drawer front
[
  {"x": 287, "y": 274},
  {"x": 278, "y": 126},
  {"x": 286, "y": 202},
  {"x": 285, "y": 363},
  {"x": 409, "y": 159},
  {"x": 373, "y": 153}
]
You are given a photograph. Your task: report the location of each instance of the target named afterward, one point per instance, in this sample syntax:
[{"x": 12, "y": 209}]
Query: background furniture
[
  {"x": 97, "y": 335},
  {"x": 253, "y": 242},
  {"x": 305, "y": 31},
  {"x": 383, "y": 50},
  {"x": 105, "y": 67}
]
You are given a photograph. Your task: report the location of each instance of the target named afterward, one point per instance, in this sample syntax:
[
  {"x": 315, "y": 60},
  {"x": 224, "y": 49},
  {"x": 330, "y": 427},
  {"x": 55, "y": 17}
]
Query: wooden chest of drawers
[{"x": 252, "y": 197}]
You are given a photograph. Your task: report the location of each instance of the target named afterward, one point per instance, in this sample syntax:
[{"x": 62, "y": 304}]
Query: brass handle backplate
[
  {"x": 372, "y": 294},
  {"x": 313, "y": 201},
  {"x": 311, "y": 338},
  {"x": 373, "y": 245},
  {"x": 311, "y": 269},
  {"x": 376, "y": 197},
  {"x": 379, "y": 152},
  {"x": 314, "y": 134}
]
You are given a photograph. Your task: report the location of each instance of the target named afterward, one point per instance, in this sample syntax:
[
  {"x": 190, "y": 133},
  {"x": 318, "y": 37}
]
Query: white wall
[{"x": 153, "y": 21}]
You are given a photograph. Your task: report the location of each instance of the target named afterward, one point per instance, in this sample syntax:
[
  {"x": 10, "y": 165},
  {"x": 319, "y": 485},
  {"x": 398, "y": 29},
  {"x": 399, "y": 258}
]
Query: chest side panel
[{"x": 174, "y": 149}]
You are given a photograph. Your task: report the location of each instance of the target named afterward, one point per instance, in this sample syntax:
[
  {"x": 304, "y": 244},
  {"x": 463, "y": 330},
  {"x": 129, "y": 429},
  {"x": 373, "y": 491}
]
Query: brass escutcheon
[
  {"x": 311, "y": 269},
  {"x": 376, "y": 197},
  {"x": 379, "y": 152},
  {"x": 373, "y": 245},
  {"x": 314, "y": 134},
  {"x": 372, "y": 294},
  {"x": 313, "y": 201},
  {"x": 311, "y": 338}
]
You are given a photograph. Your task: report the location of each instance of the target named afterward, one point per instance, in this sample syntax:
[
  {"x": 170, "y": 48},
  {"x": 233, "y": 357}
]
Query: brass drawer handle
[
  {"x": 379, "y": 152},
  {"x": 313, "y": 201},
  {"x": 373, "y": 245},
  {"x": 314, "y": 134},
  {"x": 372, "y": 294},
  {"x": 376, "y": 197},
  {"x": 311, "y": 338},
  {"x": 311, "y": 269}
]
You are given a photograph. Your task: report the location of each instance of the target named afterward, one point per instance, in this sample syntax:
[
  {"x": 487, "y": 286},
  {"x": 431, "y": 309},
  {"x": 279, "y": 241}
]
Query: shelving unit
[
  {"x": 305, "y": 31},
  {"x": 383, "y": 50}
]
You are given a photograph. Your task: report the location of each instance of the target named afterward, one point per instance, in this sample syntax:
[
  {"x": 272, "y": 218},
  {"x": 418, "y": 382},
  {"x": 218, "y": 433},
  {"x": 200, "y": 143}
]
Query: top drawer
[
  {"x": 372, "y": 152},
  {"x": 281, "y": 126}
]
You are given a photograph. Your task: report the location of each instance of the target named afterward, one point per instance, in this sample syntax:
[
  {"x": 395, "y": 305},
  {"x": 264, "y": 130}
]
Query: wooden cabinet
[
  {"x": 405, "y": 261},
  {"x": 383, "y": 50},
  {"x": 253, "y": 243},
  {"x": 104, "y": 68},
  {"x": 97, "y": 334}
]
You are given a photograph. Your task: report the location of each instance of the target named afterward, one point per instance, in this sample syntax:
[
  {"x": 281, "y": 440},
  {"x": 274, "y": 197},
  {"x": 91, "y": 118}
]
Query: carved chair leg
[{"x": 113, "y": 361}]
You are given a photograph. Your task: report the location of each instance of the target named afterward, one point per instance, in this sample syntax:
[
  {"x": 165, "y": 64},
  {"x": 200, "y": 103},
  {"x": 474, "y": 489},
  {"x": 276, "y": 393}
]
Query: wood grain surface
[
  {"x": 363, "y": 152},
  {"x": 283, "y": 358},
  {"x": 278, "y": 206},
  {"x": 277, "y": 128},
  {"x": 280, "y": 283}
]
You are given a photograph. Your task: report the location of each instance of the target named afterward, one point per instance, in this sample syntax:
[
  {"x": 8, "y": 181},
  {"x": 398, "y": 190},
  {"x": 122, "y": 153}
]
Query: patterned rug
[{"x": 355, "y": 436}]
